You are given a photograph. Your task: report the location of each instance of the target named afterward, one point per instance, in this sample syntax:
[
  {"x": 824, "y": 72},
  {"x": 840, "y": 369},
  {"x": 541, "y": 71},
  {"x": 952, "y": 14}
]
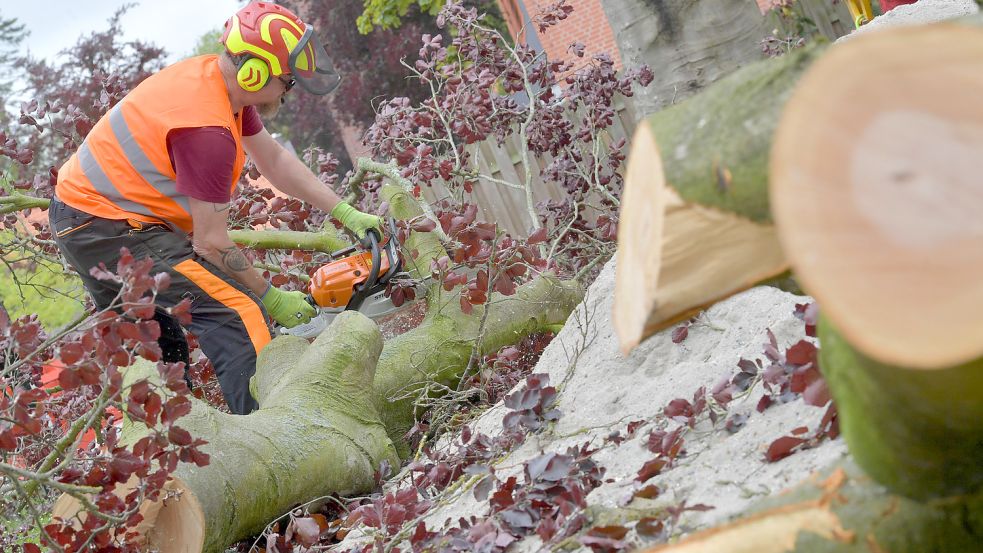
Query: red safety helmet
[{"x": 276, "y": 42}]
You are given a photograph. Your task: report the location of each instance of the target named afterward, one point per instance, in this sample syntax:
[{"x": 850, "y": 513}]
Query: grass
[{"x": 39, "y": 287}]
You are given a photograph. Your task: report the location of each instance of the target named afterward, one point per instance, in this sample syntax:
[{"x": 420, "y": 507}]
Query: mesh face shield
[{"x": 311, "y": 65}]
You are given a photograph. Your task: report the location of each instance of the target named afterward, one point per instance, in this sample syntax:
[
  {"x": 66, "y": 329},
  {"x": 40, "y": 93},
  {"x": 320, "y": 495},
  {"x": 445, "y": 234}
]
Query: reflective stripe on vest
[
  {"x": 123, "y": 169},
  {"x": 139, "y": 160},
  {"x": 103, "y": 185}
]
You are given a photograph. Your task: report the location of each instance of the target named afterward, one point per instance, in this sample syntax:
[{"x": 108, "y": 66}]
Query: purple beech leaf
[
  {"x": 782, "y": 448},
  {"x": 483, "y": 487},
  {"x": 735, "y": 422},
  {"x": 817, "y": 393},
  {"x": 550, "y": 467}
]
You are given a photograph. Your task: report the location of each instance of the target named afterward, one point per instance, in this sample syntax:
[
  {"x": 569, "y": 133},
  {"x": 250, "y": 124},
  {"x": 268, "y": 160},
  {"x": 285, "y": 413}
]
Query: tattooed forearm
[{"x": 234, "y": 260}]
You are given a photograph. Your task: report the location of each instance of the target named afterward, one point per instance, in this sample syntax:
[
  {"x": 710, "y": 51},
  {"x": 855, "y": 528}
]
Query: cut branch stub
[
  {"x": 695, "y": 225},
  {"x": 876, "y": 193}
]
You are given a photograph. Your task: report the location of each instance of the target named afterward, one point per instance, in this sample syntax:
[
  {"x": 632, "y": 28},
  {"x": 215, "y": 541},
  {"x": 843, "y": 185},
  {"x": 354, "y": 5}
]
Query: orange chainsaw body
[{"x": 333, "y": 284}]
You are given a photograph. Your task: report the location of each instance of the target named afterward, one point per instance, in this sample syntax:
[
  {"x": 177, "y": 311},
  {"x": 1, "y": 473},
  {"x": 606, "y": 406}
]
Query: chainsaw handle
[
  {"x": 371, "y": 241},
  {"x": 372, "y": 237}
]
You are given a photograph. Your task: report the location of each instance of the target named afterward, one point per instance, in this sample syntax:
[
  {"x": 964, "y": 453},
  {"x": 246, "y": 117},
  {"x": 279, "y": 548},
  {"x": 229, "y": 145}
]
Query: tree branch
[
  {"x": 19, "y": 202},
  {"x": 391, "y": 171}
]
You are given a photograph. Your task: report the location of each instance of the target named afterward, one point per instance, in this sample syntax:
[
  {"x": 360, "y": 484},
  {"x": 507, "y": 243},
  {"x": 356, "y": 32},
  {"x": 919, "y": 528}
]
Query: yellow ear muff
[{"x": 253, "y": 74}]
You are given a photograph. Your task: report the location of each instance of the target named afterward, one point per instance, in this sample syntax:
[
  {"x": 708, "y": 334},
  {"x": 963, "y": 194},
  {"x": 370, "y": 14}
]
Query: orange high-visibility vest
[{"x": 122, "y": 169}]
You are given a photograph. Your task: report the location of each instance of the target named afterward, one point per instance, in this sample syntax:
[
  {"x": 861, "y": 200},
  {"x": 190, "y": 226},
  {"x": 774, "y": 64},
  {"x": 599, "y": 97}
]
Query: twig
[
  {"x": 48, "y": 343},
  {"x": 391, "y": 171},
  {"x": 19, "y": 202}
]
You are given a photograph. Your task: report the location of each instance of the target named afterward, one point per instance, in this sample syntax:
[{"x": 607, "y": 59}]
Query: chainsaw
[{"x": 356, "y": 282}]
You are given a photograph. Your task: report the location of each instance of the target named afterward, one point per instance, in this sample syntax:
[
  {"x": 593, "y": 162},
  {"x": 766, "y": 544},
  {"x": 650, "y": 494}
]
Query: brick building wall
[{"x": 586, "y": 24}]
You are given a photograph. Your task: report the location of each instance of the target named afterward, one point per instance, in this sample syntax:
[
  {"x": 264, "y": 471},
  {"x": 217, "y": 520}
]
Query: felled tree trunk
[
  {"x": 695, "y": 224},
  {"x": 844, "y": 511},
  {"x": 325, "y": 421},
  {"x": 880, "y": 211},
  {"x": 316, "y": 432}
]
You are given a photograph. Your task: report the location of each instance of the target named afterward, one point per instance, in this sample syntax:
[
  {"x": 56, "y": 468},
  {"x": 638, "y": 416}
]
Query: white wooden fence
[{"x": 506, "y": 205}]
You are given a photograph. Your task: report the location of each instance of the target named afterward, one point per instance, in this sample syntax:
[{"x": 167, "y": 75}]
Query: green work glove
[
  {"x": 356, "y": 221},
  {"x": 288, "y": 308}
]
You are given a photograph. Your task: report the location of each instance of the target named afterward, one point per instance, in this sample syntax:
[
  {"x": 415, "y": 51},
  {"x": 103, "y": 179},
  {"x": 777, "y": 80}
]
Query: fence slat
[{"x": 506, "y": 206}]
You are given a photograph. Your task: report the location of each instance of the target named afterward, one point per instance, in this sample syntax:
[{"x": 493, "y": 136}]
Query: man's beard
[{"x": 269, "y": 110}]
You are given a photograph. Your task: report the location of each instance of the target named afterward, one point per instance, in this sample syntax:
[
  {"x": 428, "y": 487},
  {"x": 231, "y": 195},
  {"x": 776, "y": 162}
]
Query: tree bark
[
  {"x": 688, "y": 43},
  {"x": 695, "y": 223},
  {"x": 844, "y": 511},
  {"x": 918, "y": 432},
  {"x": 316, "y": 432}
]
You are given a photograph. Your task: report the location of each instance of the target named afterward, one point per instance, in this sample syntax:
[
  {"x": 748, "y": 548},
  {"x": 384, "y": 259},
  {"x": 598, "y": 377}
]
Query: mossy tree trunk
[
  {"x": 326, "y": 417},
  {"x": 842, "y": 510}
]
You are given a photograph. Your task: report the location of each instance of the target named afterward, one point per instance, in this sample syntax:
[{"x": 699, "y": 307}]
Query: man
[{"x": 156, "y": 175}]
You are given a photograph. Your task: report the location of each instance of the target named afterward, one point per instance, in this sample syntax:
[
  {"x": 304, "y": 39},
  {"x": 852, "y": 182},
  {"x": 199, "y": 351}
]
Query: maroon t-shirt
[{"x": 203, "y": 158}]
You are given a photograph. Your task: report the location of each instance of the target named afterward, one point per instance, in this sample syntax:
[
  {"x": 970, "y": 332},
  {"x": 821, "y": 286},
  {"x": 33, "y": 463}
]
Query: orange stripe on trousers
[{"x": 229, "y": 296}]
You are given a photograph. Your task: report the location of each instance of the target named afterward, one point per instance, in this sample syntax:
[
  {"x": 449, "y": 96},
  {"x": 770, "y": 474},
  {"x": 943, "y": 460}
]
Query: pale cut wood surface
[
  {"x": 675, "y": 258},
  {"x": 640, "y": 230},
  {"x": 174, "y": 525},
  {"x": 877, "y": 189}
]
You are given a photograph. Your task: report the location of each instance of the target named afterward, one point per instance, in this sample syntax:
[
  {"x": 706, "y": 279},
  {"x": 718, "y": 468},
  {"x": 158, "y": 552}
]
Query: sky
[{"x": 175, "y": 25}]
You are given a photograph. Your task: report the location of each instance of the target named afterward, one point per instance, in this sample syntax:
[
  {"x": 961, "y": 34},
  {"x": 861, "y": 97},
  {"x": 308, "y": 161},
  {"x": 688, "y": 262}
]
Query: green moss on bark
[
  {"x": 315, "y": 433},
  {"x": 439, "y": 349},
  {"x": 874, "y": 519},
  {"x": 918, "y": 432},
  {"x": 728, "y": 129}
]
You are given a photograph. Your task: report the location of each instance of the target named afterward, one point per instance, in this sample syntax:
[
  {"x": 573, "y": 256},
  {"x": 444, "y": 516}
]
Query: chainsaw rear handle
[{"x": 371, "y": 241}]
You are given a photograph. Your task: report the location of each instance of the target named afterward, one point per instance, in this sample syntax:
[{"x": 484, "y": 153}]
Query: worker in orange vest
[{"x": 156, "y": 175}]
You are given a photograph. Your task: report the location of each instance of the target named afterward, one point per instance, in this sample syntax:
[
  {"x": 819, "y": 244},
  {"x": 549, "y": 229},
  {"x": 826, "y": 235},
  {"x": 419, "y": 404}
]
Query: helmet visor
[{"x": 311, "y": 65}]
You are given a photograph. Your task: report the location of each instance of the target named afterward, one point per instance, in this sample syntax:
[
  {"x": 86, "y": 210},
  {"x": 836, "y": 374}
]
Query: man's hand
[
  {"x": 288, "y": 308},
  {"x": 356, "y": 221}
]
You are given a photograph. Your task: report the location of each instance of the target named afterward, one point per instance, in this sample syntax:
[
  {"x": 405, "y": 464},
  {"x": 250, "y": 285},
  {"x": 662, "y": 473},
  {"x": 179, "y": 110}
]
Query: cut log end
[
  {"x": 675, "y": 258},
  {"x": 174, "y": 525},
  {"x": 639, "y": 240},
  {"x": 875, "y": 185}
]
